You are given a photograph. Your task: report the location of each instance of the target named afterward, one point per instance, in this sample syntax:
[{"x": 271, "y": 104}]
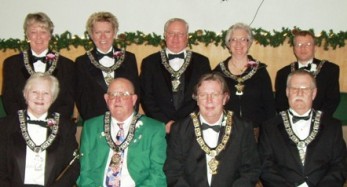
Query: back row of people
[
  {"x": 167, "y": 77},
  {"x": 165, "y": 87}
]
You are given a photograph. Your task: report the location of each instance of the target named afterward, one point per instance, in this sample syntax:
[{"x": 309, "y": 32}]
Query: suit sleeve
[
  {"x": 250, "y": 167},
  {"x": 148, "y": 101},
  {"x": 11, "y": 100},
  {"x": 332, "y": 97},
  {"x": 157, "y": 159},
  {"x": 71, "y": 175},
  {"x": 270, "y": 175},
  {"x": 280, "y": 91},
  {"x": 4, "y": 173},
  {"x": 337, "y": 173},
  {"x": 64, "y": 104},
  {"x": 174, "y": 164},
  {"x": 268, "y": 96},
  {"x": 84, "y": 179}
]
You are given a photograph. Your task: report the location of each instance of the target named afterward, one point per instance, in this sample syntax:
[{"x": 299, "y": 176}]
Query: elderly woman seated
[{"x": 36, "y": 146}]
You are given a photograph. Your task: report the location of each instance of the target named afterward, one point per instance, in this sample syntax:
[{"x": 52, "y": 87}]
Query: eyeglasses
[
  {"x": 178, "y": 34},
  {"x": 241, "y": 40},
  {"x": 304, "y": 90},
  {"x": 303, "y": 45},
  {"x": 121, "y": 95},
  {"x": 205, "y": 96}
]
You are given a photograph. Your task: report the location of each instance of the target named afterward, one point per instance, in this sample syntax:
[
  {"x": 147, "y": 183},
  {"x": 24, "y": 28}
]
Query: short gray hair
[
  {"x": 40, "y": 18},
  {"x": 54, "y": 83},
  {"x": 174, "y": 20},
  {"x": 302, "y": 72},
  {"x": 238, "y": 26}
]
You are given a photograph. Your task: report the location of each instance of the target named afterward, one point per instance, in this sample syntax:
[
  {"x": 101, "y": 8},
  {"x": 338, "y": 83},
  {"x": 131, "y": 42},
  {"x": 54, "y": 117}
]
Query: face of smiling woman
[{"x": 39, "y": 97}]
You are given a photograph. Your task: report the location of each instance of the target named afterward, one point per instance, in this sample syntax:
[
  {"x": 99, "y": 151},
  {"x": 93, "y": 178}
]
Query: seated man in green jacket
[{"x": 122, "y": 146}]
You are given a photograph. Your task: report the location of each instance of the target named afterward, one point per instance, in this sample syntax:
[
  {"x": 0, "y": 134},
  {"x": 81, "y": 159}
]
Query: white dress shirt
[
  {"x": 126, "y": 180},
  {"x": 176, "y": 63},
  {"x": 35, "y": 162},
  {"x": 211, "y": 139},
  {"x": 107, "y": 62},
  {"x": 39, "y": 66},
  {"x": 301, "y": 129}
]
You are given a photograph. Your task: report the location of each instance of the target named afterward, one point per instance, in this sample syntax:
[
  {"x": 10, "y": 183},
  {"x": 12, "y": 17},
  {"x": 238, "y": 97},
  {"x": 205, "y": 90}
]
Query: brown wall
[{"x": 275, "y": 58}]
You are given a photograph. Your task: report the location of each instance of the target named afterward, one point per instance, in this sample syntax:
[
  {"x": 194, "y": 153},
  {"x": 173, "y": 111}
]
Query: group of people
[{"x": 202, "y": 127}]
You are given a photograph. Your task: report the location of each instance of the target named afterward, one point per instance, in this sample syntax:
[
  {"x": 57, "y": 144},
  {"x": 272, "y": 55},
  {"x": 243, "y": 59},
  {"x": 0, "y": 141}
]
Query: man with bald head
[{"x": 129, "y": 147}]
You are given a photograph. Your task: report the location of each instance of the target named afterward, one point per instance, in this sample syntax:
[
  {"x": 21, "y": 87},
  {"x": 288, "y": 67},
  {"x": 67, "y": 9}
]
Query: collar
[
  {"x": 303, "y": 64},
  {"x": 39, "y": 55},
  {"x": 43, "y": 117},
  {"x": 167, "y": 51},
  {"x": 218, "y": 122},
  {"x": 126, "y": 123},
  {"x": 296, "y": 114},
  {"x": 106, "y": 52}
]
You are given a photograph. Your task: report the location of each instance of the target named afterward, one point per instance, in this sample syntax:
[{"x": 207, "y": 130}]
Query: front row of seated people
[{"x": 210, "y": 147}]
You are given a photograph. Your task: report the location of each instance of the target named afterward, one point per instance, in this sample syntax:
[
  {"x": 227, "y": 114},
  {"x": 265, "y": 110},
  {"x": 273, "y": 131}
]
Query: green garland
[{"x": 261, "y": 36}]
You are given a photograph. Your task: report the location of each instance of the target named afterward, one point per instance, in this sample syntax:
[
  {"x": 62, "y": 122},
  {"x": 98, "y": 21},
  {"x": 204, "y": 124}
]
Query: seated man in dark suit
[
  {"x": 301, "y": 146},
  {"x": 168, "y": 76},
  {"x": 212, "y": 147},
  {"x": 325, "y": 72}
]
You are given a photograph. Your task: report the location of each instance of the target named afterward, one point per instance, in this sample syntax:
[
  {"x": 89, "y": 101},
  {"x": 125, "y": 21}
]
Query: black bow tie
[
  {"x": 101, "y": 55},
  {"x": 38, "y": 122},
  {"x": 42, "y": 59},
  {"x": 180, "y": 55},
  {"x": 307, "y": 68},
  {"x": 205, "y": 126},
  {"x": 298, "y": 118}
]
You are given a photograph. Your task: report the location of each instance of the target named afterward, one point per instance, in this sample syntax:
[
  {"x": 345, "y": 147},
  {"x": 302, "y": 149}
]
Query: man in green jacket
[{"x": 122, "y": 147}]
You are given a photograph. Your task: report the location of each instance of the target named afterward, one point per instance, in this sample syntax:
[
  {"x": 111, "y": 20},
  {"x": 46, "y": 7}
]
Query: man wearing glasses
[
  {"x": 122, "y": 146},
  {"x": 212, "y": 147},
  {"x": 325, "y": 72},
  {"x": 302, "y": 146},
  {"x": 168, "y": 76}
]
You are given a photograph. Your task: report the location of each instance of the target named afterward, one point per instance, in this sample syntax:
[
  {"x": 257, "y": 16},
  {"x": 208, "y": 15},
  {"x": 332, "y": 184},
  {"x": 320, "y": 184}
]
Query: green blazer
[{"x": 146, "y": 153}]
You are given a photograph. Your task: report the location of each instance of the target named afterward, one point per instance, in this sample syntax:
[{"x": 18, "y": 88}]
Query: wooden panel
[{"x": 275, "y": 58}]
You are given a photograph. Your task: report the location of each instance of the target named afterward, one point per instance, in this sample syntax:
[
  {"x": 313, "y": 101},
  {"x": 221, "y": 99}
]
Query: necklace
[
  {"x": 301, "y": 144},
  {"x": 29, "y": 142},
  {"x": 213, "y": 163},
  {"x": 175, "y": 74},
  {"x": 108, "y": 70},
  {"x": 240, "y": 79},
  {"x": 315, "y": 73},
  {"x": 29, "y": 68},
  {"x": 240, "y": 70},
  {"x": 130, "y": 136}
]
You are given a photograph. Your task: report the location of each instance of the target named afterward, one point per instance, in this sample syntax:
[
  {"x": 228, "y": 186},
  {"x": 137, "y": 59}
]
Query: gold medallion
[
  {"x": 108, "y": 78},
  {"x": 239, "y": 88},
  {"x": 213, "y": 165},
  {"x": 175, "y": 84}
]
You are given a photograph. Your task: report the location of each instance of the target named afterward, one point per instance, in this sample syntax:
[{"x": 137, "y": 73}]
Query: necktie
[
  {"x": 298, "y": 118},
  {"x": 307, "y": 68},
  {"x": 38, "y": 122},
  {"x": 172, "y": 56},
  {"x": 120, "y": 134},
  {"x": 102, "y": 55},
  {"x": 113, "y": 174},
  {"x": 42, "y": 59},
  {"x": 205, "y": 126}
]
